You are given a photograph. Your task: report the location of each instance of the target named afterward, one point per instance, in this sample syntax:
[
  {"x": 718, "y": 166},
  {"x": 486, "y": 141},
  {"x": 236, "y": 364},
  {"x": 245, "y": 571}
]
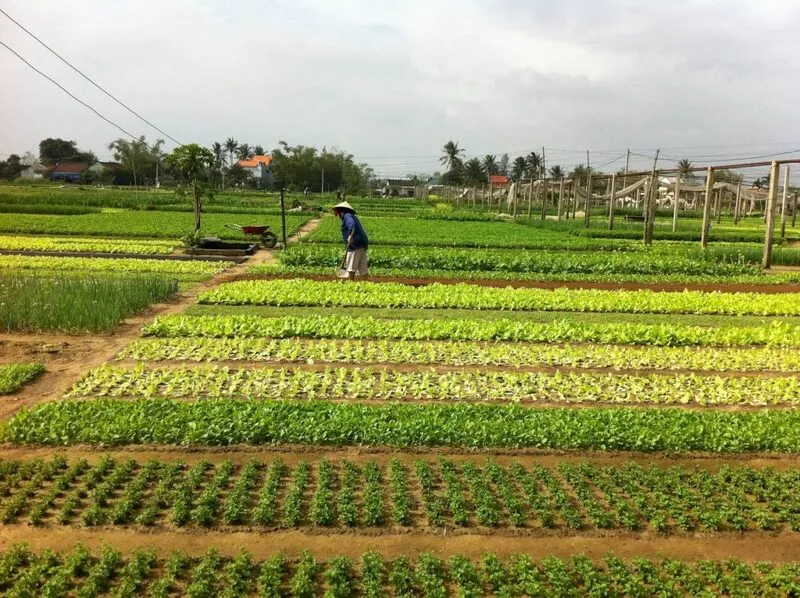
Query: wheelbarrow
[{"x": 268, "y": 238}]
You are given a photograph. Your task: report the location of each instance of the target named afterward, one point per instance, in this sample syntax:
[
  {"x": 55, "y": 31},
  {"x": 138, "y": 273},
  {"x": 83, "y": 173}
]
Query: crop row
[
  {"x": 777, "y": 334},
  {"x": 466, "y": 296},
  {"x": 80, "y": 573},
  {"x": 239, "y": 421},
  {"x": 620, "y": 357},
  {"x": 77, "y": 244},
  {"x": 208, "y": 381},
  {"x": 441, "y": 493},
  {"x": 187, "y": 269},
  {"x": 14, "y": 375}
]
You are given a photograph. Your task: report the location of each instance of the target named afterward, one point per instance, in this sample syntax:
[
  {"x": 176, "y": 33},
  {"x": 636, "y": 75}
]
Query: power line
[
  {"x": 62, "y": 88},
  {"x": 65, "y": 61}
]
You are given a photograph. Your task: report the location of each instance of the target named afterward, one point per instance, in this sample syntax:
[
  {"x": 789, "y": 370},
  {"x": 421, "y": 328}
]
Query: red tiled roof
[
  {"x": 70, "y": 167},
  {"x": 255, "y": 161},
  {"x": 498, "y": 179}
]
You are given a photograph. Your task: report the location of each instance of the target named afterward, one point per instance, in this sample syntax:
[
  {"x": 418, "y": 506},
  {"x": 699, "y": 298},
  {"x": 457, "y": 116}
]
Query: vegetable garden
[{"x": 272, "y": 434}]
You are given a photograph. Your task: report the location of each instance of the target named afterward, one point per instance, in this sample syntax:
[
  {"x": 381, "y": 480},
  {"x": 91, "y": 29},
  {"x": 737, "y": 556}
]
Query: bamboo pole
[
  {"x": 676, "y": 200},
  {"x": 766, "y": 260},
  {"x": 707, "y": 208},
  {"x": 587, "y": 206},
  {"x": 784, "y": 200},
  {"x": 543, "y": 194},
  {"x": 794, "y": 211},
  {"x": 611, "y": 202},
  {"x": 737, "y": 210}
]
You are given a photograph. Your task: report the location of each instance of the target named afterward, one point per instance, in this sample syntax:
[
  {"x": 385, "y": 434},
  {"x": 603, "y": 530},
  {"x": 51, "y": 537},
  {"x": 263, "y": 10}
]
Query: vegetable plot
[
  {"x": 184, "y": 269},
  {"x": 559, "y": 331},
  {"x": 439, "y": 493},
  {"x": 225, "y": 421},
  {"x": 366, "y": 384},
  {"x": 14, "y": 375},
  {"x": 465, "y": 296},
  {"x": 81, "y": 573},
  {"x": 78, "y": 244},
  {"x": 461, "y": 353}
]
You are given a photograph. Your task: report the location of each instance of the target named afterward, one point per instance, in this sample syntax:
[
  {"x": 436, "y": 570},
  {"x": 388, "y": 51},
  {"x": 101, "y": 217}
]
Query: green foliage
[
  {"x": 227, "y": 421},
  {"x": 465, "y": 296},
  {"x": 14, "y": 375},
  {"x": 70, "y": 304},
  {"x": 50, "y": 265},
  {"x": 77, "y": 244}
]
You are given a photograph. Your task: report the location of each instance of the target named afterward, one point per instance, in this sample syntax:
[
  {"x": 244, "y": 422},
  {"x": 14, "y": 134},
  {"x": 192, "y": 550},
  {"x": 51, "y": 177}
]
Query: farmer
[{"x": 355, "y": 239}]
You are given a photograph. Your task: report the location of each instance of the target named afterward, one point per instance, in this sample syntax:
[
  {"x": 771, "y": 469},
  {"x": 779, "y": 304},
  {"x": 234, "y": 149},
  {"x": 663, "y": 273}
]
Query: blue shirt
[{"x": 351, "y": 224}]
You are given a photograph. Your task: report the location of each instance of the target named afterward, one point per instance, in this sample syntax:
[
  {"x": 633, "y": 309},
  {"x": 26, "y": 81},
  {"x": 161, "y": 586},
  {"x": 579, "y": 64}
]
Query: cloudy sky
[{"x": 392, "y": 81}]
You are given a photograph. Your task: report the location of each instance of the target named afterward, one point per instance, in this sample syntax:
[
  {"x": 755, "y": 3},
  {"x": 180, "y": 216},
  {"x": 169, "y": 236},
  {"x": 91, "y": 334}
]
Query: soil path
[
  {"x": 747, "y": 547},
  {"x": 83, "y": 353}
]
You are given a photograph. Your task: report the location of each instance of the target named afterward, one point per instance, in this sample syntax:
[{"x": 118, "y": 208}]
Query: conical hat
[{"x": 344, "y": 206}]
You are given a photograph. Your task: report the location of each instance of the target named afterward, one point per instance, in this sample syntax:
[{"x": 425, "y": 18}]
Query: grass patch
[
  {"x": 14, "y": 375},
  {"x": 76, "y": 304}
]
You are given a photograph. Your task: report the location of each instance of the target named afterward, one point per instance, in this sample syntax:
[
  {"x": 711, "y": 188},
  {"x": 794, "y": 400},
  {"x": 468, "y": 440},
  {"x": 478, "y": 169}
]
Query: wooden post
[
  {"x": 718, "y": 206},
  {"x": 650, "y": 203},
  {"x": 561, "y": 189},
  {"x": 490, "y": 194},
  {"x": 707, "y": 208},
  {"x": 627, "y": 162},
  {"x": 676, "y": 199},
  {"x": 530, "y": 196},
  {"x": 611, "y": 202},
  {"x": 784, "y": 200},
  {"x": 772, "y": 197},
  {"x": 794, "y": 211},
  {"x": 737, "y": 209},
  {"x": 573, "y": 199},
  {"x": 587, "y": 207}
]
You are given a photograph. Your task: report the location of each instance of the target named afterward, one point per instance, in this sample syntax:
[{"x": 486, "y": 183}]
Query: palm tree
[
  {"x": 533, "y": 163},
  {"x": 452, "y": 155},
  {"x": 685, "y": 169},
  {"x": 490, "y": 164},
  {"x": 518, "y": 168},
  {"x": 244, "y": 152},
  {"x": 219, "y": 154},
  {"x": 258, "y": 150},
  {"x": 231, "y": 145},
  {"x": 556, "y": 172},
  {"x": 473, "y": 172}
]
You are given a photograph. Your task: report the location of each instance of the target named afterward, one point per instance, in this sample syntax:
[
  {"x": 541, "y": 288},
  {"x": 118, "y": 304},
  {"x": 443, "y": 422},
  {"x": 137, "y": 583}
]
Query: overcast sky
[{"x": 391, "y": 81}]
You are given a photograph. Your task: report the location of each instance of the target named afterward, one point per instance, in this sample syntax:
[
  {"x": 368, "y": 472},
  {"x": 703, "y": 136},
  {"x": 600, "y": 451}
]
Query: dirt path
[
  {"x": 747, "y": 547},
  {"x": 83, "y": 353},
  {"x": 291, "y": 455}
]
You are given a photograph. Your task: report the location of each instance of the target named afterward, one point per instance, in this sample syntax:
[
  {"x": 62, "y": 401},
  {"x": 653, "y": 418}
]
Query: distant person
[
  {"x": 339, "y": 194},
  {"x": 355, "y": 240}
]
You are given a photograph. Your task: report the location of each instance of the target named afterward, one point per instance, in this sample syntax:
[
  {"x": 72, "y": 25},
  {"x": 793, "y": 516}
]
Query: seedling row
[
  {"x": 427, "y": 493},
  {"x": 366, "y": 384}
]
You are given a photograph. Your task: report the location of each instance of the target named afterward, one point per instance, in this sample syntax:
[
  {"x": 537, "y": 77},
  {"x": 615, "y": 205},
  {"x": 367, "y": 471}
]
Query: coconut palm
[
  {"x": 556, "y": 172},
  {"x": 685, "y": 169},
  {"x": 473, "y": 172},
  {"x": 258, "y": 150},
  {"x": 231, "y": 145},
  {"x": 452, "y": 155},
  {"x": 533, "y": 165},
  {"x": 490, "y": 165},
  {"x": 519, "y": 168},
  {"x": 244, "y": 152}
]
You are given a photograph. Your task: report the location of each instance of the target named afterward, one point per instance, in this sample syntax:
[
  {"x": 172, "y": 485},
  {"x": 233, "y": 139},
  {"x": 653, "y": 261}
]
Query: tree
[
  {"x": 556, "y": 172},
  {"x": 518, "y": 168},
  {"x": 728, "y": 176},
  {"x": 452, "y": 155},
  {"x": 53, "y": 151},
  {"x": 684, "y": 169},
  {"x": 137, "y": 157},
  {"x": 231, "y": 145},
  {"x": 473, "y": 172},
  {"x": 580, "y": 173},
  {"x": 258, "y": 150},
  {"x": 503, "y": 167},
  {"x": 190, "y": 163},
  {"x": 490, "y": 165},
  {"x": 244, "y": 152},
  {"x": 11, "y": 168},
  {"x": 533, "y": 165}
]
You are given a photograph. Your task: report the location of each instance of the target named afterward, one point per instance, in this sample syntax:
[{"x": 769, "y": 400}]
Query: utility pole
[
  {"x": 785, "y": 200},
  {"x": 707, "y": 208},
  {"x": 766, "y": 260},
  {"x": 650, "y": 202}
]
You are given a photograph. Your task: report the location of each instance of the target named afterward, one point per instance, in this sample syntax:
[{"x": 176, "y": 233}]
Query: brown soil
[
  {"x": 83, "y": 353},
  {"x": 747, "y": 547},
  {"x": 291, "y": 455},
  {"x": 536, "y": 284}
]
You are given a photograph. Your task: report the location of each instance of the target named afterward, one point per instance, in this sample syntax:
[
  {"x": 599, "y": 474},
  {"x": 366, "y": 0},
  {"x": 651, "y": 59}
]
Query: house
[
  {"x": 397, "y": 188},
  {"x": 108, "y": 172},
  {"x": 35, "y": 171},
  {"x": 258, "y": 169},
  {"x": 498, "y": 180},
  {"x": 68, "y": 171}
]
